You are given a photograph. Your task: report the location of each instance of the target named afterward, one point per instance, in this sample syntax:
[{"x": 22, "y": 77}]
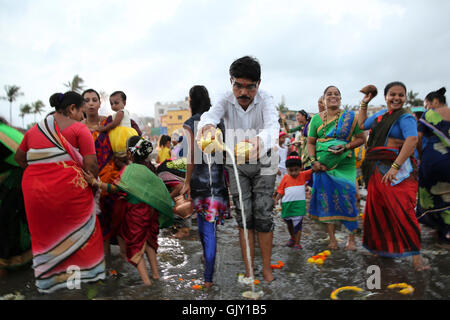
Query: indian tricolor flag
[{"x": 293, "y": 202}]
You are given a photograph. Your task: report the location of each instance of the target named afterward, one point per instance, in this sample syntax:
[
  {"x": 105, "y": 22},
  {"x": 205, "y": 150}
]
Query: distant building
[
  {"x": 174, "y": 120},
  {"x": 161, "y": 109}
]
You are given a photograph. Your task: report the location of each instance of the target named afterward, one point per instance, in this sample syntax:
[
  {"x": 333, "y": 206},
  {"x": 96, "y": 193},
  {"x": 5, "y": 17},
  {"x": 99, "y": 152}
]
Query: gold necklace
[{"x": 335, "y": 125}]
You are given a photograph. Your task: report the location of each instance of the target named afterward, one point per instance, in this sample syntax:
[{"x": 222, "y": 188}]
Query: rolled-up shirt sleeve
[
  {"x": 269, "y": 133},
  {"x": 212, "y": 116}
]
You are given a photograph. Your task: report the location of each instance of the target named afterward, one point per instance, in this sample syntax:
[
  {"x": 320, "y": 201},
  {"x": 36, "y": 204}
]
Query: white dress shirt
[{"x": 260, "y": 119}]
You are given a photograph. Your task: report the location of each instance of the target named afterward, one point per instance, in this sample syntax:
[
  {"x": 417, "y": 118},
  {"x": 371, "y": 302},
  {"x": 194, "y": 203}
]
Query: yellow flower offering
[
  {"x": 242, "y": 150},
  {"x": 327, "y": 252},
  {"x": 209, "y": 145},
  {"x": 319, "y": 258},
  {"x": 334, "y": 294},
  {"x": 406, "y": 288}
]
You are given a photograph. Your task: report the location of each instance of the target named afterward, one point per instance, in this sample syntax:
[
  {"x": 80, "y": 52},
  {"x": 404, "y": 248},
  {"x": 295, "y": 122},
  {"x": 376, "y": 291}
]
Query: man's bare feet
[
  {"x": 156, "y": 276},
  {"x": 268, "y": 276},
  {"x": 418, "y": 263},
  {"x": 147, "y": 282}
]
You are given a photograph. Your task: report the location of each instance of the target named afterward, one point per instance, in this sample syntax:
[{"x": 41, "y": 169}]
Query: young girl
[
  {"x": 120, "y": 129},
  {"x": 292, "y": 192},
  {"x": 164, "y": 149},
  {"x": 143, "y": 212}
]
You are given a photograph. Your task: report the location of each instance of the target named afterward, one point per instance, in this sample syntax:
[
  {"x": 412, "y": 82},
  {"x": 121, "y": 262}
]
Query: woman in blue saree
[
  {"x": 332, "y": 136},
  {"x": 433, "y": 207}
]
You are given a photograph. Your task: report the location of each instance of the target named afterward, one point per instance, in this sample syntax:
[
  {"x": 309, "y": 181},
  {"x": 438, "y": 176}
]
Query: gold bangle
[
  {"x": 396, "y": 166},
  {"x": 363, "y": 105}
]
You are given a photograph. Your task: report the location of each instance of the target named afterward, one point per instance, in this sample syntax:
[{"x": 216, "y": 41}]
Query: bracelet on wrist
[
  {"x": 363, "y": 105},
  {"x": 395, "y": 165}
]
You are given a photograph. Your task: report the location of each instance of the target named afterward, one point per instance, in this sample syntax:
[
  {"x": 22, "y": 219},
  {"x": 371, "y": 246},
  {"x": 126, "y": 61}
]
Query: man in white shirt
[{"x": 249, "y": 114}]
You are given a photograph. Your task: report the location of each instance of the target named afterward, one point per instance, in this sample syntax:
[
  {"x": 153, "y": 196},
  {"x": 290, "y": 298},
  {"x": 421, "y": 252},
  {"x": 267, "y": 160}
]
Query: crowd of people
[{"x": 77, "y": 183}]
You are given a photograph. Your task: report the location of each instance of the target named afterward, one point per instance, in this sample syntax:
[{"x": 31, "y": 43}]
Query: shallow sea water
[{"x": 181, "y": 267}]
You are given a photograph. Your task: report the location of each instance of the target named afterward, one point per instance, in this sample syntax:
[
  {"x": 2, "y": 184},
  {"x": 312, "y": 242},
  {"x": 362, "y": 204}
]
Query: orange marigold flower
[{"x": 197, "y": 287}]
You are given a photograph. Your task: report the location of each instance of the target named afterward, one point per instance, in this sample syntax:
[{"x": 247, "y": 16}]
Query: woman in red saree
[
  {"x": 390, "y": 227},
  {"x": 65, "y": 232}
]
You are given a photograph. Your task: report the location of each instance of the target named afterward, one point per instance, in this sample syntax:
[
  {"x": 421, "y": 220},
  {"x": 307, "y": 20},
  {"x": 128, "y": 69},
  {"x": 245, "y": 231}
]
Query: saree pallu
[
  {"x": 390, "y": 227},
  {"x": 433, "y": 207},
  {"x": 333, "y": 196},
  {"x": 102, "y": 146},
  {"x": 65, "y": 232}
]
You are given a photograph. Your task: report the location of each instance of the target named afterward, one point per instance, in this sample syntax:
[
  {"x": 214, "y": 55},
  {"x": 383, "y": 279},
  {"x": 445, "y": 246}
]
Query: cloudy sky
[{"x": 157, "y": 50}]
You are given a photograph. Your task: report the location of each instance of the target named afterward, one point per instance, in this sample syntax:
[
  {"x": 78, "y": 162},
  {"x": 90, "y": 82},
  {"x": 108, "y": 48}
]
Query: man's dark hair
[{"x": 247, "y": 68}]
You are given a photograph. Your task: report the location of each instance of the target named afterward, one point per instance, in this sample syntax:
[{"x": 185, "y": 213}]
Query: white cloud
[{"x": 156, "y": 50}]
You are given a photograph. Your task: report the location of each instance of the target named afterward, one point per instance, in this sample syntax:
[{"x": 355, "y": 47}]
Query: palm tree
[
  {"x": 12, "y": 93},
  {"x": 412, "y": 100},
  {"x": 76, "y": 84},
  {"x": 24, "y": 110},
  {"x": 37, "y": 107}
]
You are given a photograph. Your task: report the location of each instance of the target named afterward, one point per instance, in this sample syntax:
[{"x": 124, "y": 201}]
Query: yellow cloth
[
  {"x": 163, "y": 154},
  {"x": 119, "y": 136}
]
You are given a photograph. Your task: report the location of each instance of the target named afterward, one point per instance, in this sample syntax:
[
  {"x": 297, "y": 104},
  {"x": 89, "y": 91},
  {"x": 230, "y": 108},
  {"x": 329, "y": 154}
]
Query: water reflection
[{"x": 181, "y": 267}]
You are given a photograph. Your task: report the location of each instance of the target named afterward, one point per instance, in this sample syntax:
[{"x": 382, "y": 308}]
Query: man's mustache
[{"x": 244, "y": 97}]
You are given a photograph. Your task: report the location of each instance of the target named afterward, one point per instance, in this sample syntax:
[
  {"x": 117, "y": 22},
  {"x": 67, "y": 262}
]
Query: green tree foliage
[
  {"x": 12, "y": 93},
  {"x": 76, "y": 84},
  {"x": 37, "y": 107},
  {"x": 24, "y": 110},
  {"x": 412, "y": 99}
]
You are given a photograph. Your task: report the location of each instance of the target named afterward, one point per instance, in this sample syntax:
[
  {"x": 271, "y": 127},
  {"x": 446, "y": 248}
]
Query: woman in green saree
[{"x": 332, "y": 136}]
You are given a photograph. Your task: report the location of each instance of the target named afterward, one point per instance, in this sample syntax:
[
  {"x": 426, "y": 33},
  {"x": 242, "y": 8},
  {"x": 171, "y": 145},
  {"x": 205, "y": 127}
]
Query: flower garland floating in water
[
  {"x": 334, "y": 294},
  {"x": 279, "y": 265},
  {"x": 197, "y": 287},
  {"x": 319, "y": 258},
  {"x": 406, "y": 288}
]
